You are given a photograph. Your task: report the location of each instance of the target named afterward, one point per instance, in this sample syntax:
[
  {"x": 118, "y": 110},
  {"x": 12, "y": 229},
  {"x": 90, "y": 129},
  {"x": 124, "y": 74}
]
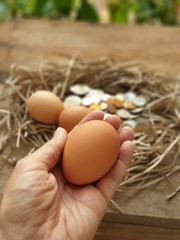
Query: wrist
[
  {"x": 5, "y": 236},
  {"x": 2, "y": 234}
]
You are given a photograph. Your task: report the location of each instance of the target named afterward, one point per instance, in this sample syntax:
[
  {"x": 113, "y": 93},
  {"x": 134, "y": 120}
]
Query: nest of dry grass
[{"x": 157, "y": 144}]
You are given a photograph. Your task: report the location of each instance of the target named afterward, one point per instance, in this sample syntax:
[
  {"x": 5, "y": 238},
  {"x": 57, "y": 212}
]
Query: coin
[
  {"x": 79, "y": 89},
  {"x": 87, "y": 101},
  {"x": 90, "y": 99},
  {"x": 130, "y": 123},
  {"x": 133, "y": 116},
  {"x": 95, "y": 107},
  {"x": 139, "y": 101},
  {"x": 118, "y": 103},
  {"x": 123, "y": 113},
  {"x": 111, "y": 108},
  {"x": 105, "y": 97},
  {"x": 95, "y": 92},
  {"x": 110, "y": 101},
  {"x": 129, "y": 96},
  {"x": 137, "y": 110},
  {"x": 103, "y": 105},
  {"x": 72, "y": 100},
  {"x": 115, "y": 101},
  {"x": 120, "y": 96},
  {"x": 128, "y": 105}
]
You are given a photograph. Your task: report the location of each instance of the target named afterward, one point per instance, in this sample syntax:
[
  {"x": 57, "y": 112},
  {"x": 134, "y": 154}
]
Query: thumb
[{"x": 49, "y": 154}]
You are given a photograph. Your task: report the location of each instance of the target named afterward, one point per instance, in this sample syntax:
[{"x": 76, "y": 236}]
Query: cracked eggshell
[{"x": 90, "y": 152}]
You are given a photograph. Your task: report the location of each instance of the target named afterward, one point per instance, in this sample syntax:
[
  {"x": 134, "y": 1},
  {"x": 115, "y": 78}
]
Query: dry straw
[{"x": 157, "y": 143}]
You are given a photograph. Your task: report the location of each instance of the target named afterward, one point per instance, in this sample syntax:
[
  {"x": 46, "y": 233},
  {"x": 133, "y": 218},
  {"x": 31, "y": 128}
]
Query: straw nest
[{"x": 157, "y": 144}]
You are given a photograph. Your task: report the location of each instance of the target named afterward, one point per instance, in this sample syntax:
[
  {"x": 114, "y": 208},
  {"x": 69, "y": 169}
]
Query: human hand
[{"x": 40, "y": 204}]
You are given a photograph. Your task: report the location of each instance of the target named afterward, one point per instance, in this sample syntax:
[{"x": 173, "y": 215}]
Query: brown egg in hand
[
  {"x": 71, "y": 116},
  {"x": 90, "y": 152},
  {"x": 45, "y": 107}
]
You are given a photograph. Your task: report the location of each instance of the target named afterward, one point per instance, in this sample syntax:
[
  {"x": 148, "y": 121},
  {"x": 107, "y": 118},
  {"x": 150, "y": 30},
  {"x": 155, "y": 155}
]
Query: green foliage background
[{"x": 144, "y": 11}]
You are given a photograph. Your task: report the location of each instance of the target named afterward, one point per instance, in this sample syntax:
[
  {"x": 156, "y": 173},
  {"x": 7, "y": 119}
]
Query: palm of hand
[
  {"x": 40, "y": 204},
  {"x": 52, "y": 211}
]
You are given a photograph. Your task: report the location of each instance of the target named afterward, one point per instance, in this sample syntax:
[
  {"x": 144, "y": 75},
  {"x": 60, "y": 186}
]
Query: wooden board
[
  {"x": 32, "y": 42},
  {"x": 118, "y": 231},
  {"x": 146, "y": 213}
]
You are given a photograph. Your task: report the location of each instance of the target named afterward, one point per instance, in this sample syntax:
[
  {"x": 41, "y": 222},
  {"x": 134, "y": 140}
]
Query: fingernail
[
  {"x": 59, "y": 135},
  {"x": 106, "y": 115},
  {"x": 126, "y": 153},
  {"x": 57, "y": 132}
]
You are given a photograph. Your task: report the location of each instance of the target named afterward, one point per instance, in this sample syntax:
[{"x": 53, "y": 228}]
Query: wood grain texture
[
  {"x": 31, "y": 42},
  {"x": 120, "y": 231}
]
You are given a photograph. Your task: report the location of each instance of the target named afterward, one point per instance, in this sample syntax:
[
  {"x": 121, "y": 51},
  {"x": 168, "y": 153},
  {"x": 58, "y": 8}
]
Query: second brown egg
[{"x": 71, "y": 116}]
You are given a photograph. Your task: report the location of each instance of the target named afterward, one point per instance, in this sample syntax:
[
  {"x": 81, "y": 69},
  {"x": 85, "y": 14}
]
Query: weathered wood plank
[
  {"x": 30, "y": 42},
  {"x": 118, "y": 231}
]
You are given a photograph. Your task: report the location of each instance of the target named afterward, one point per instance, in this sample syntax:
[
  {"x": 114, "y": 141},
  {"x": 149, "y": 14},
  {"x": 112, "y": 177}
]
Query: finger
[
  {"x": 94, "y": 115},
  {"x": 49, "y": 154},
  {"x": 110, "y": 182},
  {"x": 126, "y": 133},
  {"x": 114, "y": 120}
]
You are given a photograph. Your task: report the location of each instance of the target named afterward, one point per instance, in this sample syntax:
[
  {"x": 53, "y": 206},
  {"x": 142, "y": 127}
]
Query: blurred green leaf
[
  {"x": 87, "y": 12},
  {"x": 18, "y": 7},
  {"x": 29, "y": 8},
  {"x": 123, "y": 11},
  {"x": 4, "y": 10},
  {"x": 49, "y": 10},
  {"x": 163, "y": 11},
  {"x": 119, "y": 10},
  {"x": 64, "y": 7},
  {"x": 39, "y": 7},
  {"x": 167, "y": 12},
  {"x": 144, "y": 11}
]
